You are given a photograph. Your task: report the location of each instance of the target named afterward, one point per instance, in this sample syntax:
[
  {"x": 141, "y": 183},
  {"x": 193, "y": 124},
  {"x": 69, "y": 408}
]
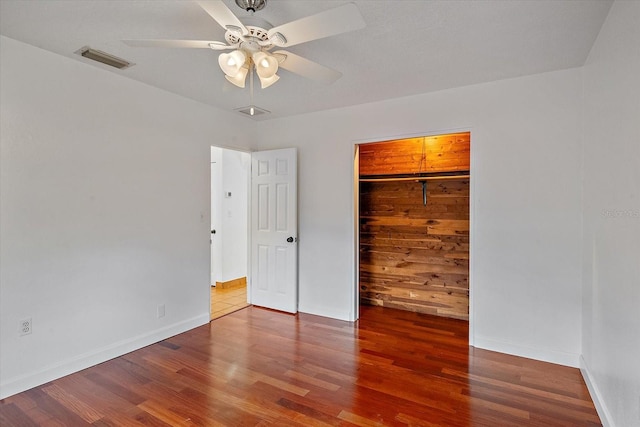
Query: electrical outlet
[
  {"x": 25, "y": 326},
  {"x": 160, "y": 311}
]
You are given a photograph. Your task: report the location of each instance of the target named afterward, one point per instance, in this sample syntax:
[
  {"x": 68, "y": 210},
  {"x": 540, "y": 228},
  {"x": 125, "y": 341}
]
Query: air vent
[
  {"x": 103, "y": 57},
  {"x": 252, "y": 111}
]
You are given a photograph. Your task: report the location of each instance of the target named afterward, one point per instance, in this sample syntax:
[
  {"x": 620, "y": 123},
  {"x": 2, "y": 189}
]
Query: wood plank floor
[{"x": 257, "y": 367}]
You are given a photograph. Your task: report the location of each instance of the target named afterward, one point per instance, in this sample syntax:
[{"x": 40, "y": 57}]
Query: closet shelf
[{"x": 431, "y": 177}]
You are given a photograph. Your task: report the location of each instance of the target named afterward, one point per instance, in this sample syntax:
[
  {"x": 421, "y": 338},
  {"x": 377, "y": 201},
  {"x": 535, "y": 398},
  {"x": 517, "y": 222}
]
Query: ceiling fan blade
[
  {"x": 190, "y": 44},
  {"x": 306, "y": 68},
  {"x": 223, "y": 16},
  {"x": 324, "y": 24}
]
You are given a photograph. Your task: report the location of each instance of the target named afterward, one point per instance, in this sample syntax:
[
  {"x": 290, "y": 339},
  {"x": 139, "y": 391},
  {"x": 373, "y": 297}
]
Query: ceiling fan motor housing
[
  {"x": 255, "y": 33},
  {"x": 251, "y": 5}
]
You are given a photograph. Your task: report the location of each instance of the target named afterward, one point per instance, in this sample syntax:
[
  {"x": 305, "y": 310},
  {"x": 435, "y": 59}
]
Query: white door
[{"x": 274, "y": 225}]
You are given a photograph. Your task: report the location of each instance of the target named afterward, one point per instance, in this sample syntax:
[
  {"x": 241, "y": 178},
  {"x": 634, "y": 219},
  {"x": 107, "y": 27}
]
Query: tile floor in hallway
[{"x": 225, "y": 301}]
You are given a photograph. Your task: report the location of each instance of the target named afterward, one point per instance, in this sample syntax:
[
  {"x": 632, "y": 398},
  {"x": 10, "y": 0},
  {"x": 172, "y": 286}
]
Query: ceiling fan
[{"x": 252, "y": 39}]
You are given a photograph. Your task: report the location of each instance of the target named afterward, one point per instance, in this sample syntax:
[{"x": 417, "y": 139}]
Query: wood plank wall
[
  {"x": 415, "y": 257},
  {"x": 441, "y": 153}
]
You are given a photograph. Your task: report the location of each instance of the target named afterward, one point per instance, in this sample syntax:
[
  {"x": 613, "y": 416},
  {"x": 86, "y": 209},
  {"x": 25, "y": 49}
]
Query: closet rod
[{"x": 417, "y": 178}]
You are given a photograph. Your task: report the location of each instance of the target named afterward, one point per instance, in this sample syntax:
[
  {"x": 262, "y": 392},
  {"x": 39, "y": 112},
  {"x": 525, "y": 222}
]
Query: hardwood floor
[{"x": 257, "y": 367}]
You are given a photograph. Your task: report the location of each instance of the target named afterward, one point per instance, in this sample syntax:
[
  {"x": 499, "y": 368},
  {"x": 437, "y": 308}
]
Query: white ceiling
[{"x": 407, "y": 47}]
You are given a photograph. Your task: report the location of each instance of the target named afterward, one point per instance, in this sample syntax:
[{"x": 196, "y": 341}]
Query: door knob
[
  {"x": 290, "y": 239},
  {"x": 213, "y": 231}
]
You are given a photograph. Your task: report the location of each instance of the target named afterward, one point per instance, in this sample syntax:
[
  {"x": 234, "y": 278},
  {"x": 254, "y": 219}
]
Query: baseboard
[
  {"x": 321, "y": 311},
  {"x": 551, "y": 356},
  {"x": 596, "y": 396},
  {"x": 234, "y": 283},
  {"x": 92, "y": 358}
]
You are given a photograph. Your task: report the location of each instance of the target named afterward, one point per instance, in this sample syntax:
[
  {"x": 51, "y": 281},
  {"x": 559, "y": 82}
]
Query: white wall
[
  {"x": 104, "y": 213},
  {"x": 235, "y": 179},
  {"x": 611, "y": 249},
  {"x": 526, "y": 203}
]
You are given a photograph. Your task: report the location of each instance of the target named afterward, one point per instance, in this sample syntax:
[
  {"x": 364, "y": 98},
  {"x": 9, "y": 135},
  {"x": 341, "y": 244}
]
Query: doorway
[
  {"x": 413, "y": 216},
  {"x": 254, "y": 218},
  {"x": 230, "y": 177}
]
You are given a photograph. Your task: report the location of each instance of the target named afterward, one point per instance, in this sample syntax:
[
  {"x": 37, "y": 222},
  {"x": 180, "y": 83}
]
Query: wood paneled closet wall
[{"x": 414, "y": 224}]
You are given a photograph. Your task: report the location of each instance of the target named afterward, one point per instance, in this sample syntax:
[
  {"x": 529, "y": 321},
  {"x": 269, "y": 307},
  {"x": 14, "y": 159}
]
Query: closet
[{"x": 414, "y": 224}]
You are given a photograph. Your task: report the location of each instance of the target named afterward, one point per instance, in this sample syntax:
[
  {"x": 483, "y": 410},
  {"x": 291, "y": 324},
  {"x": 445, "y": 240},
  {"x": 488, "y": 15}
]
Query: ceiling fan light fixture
[
  {"x": 232, "y": 63},
  {"x": 266, "y": 65},
  {"x": 240, "y": 78},
  {"x": 265, "y": 82}
]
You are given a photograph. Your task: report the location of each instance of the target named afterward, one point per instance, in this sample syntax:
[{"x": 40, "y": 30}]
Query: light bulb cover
[
  {"x": 232, "y": 63},
  {"x": 265, "y": 82},
  {"x": 266, "y": 65},
  {"x": 240, "y": 77}
]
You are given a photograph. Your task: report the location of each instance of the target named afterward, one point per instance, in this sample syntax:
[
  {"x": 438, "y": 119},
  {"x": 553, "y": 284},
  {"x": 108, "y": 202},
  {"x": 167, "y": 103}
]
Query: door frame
[
  {"x": 249, "y": 218},
  {"x": 355, "y": 295}
]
